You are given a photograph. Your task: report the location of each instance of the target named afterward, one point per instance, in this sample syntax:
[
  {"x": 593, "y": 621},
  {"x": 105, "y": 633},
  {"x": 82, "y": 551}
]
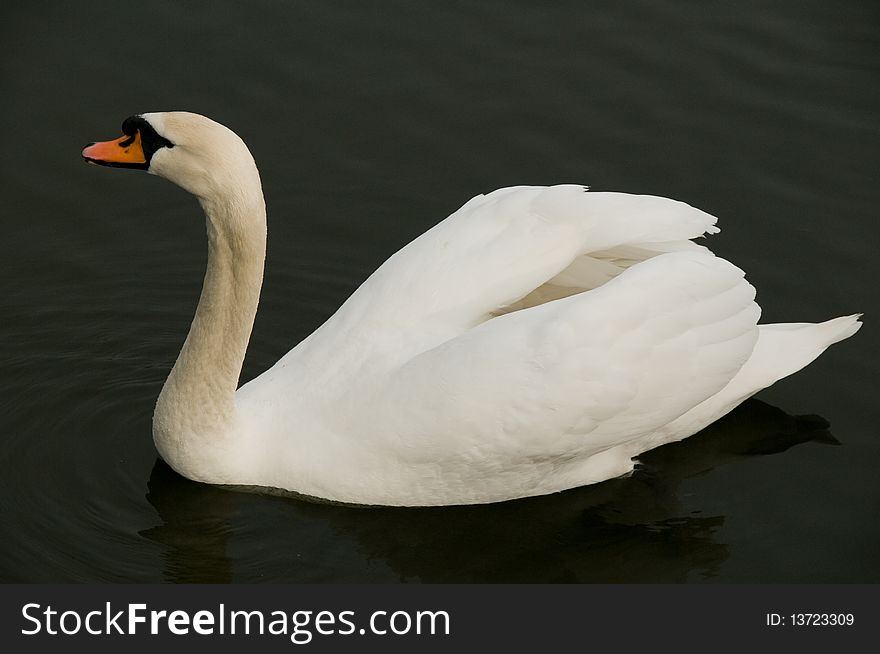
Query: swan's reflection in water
[
  {"x": 624, "y": 530},
  {"x": 194, "y": 527}
]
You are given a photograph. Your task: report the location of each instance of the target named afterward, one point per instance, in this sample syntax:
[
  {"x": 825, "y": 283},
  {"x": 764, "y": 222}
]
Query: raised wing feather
[{"x": 495, "y": 251}]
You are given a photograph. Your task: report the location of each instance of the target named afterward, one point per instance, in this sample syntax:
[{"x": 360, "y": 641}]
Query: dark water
[{"x": 371, "y": 122}]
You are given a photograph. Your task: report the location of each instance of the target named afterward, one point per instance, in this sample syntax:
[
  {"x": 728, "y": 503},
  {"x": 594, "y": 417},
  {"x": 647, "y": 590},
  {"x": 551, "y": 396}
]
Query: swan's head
[{"x": 195, "y": 152}]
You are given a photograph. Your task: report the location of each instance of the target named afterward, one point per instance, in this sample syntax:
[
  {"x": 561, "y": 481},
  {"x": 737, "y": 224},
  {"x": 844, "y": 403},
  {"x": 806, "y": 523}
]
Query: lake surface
[{"x": 371, "y": 122}]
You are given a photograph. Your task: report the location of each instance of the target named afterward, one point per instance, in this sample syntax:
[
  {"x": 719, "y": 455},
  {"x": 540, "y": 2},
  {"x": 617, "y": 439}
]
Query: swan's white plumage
[{"x": 536, "y": 340}]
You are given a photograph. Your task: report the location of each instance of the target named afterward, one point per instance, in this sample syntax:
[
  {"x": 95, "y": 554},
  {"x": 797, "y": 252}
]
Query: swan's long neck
[{"x": 195, "y": 412}]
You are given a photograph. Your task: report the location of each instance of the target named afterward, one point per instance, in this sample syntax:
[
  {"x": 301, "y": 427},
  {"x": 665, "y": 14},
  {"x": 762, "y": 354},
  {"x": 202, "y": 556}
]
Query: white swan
[{"x": 536, "y": 340}]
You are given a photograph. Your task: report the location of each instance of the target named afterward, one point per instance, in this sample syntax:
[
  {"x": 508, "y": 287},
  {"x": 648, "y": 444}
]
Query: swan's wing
[
  {"x": 513, "y": 248},
  {"x": 565, "y": 380}
]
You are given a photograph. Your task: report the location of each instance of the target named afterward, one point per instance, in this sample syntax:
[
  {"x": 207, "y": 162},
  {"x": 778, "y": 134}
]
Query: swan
[{"x": 536, "y": 340}]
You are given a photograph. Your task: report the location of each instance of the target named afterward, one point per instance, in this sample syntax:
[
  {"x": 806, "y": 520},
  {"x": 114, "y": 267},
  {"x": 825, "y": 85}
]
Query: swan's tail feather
[
  {"x": 843, "y": 327},
  {"x": 801, "y": 343},
  {"x": 784, "y": 348},
  {"x": 851, "y": 324}
]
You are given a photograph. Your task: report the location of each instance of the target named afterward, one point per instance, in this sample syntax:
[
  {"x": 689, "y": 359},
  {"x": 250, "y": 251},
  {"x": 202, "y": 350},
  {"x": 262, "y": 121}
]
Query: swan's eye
[{"x": 151, "y": 140}]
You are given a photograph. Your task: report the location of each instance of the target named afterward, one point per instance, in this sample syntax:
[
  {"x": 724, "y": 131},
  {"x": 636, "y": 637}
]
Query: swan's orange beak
[{"x": 124, "y": 152}]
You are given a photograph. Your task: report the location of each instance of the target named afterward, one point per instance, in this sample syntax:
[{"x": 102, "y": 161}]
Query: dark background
[{"x": 371, "y": 122}]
